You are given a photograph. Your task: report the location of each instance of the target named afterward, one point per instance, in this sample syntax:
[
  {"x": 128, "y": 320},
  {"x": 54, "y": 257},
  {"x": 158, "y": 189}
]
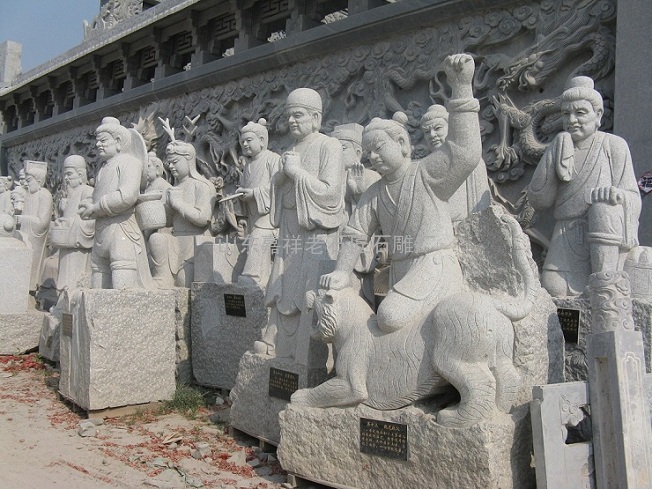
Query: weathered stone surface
[
  {"x": 216, "y": 261},
  {"x": 182, "y": 321},
  {"x": 253, "y": 410},
  {"x": 120, "y": 350},
  {"x": 15, "y": 265},
  {"x": 48, "y": 342},
  {"x": 220, "y": 338},
  {"x": 575, "y": 356},
  {"x": 19, "y": 333},
  {"x": 493, "y": 454}
]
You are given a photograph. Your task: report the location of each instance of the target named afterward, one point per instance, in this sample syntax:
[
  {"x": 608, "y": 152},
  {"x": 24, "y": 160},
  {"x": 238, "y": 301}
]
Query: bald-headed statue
[{"x": 587, "y": 177}]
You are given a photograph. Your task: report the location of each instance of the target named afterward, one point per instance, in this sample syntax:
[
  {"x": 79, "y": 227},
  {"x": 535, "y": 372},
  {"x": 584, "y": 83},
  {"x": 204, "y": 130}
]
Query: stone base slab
[
  {"x": 323, "y": 445},
  {"x": 219, "y": 337},
  {"x": 19, "y": 333},
  {"x": 182, "y": 320},
  {"x": 48, "y": 342},
  {"x": 120, "y": 349}
]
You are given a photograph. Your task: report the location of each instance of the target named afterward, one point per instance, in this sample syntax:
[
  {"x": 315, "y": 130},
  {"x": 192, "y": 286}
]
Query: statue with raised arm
[
  {"x": 307, "y": 198},
  {"x": 474, "y": 195},
  {"x": 587, "y": 177},
  {"x": 71, "y": 234},
  {"x": 189, "y": 203},
  {"x": 34, "y": 220},
  {"x": 260, "y": 166},
  {"x": 409, "y": 205},
  {"x": 119, "y": 256}
]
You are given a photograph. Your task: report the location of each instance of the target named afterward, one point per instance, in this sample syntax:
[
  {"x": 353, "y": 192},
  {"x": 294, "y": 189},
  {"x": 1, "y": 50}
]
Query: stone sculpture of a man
[
  {"x": 260, "y": 166},
  {"x": 410, "y": 203},
  {"x": 119, "y": 257},
  {"x": 36, "y": 215},
  {"x": 155, "y": 172},
  {"x": 6, "y": 207},
  {"x": 190, "y": 203},
  {"x": 76, "y": 233},
  {"x": 307, "y": 206},
  {"x": 588, "y": 178},
  {"x": 474, "y": 195}
]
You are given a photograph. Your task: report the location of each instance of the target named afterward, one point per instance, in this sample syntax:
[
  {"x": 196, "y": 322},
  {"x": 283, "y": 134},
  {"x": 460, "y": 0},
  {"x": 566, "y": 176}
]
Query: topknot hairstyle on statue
[
  {"x": 395, "y": 128},
  {"x": 259, "y": 129},
  {"x": 582, "y": 88},
  {"x": 434, "y": 112},
  {"x": 112, "y": 126}
]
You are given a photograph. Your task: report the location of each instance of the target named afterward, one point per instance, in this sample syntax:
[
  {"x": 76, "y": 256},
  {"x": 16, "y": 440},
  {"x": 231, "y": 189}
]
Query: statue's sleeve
[
  {"x": 262, "y": 193},
  {"x": 625, "y": 179},
  {"x": 84, "y": 229},
  {"x": 320, "y": 197},
  {"x": 364, "y": 222},
  {"x": 124, "y": 198},
  {"x": 275, "y": 199},
  {"x": 45, "y": 207},
  {"x": 449, "y": 166},
  {"x": 199, "y": 212},
  {"x": 542, "y": 190}
]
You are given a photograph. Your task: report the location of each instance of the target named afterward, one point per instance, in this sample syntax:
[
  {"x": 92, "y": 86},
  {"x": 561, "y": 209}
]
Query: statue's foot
[
  {"x": 262, "y": 348},
  {"x": 459, "y": 417}
]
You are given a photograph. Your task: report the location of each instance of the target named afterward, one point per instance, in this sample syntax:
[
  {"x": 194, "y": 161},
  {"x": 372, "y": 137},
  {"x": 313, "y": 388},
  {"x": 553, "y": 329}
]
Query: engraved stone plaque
[
  {"x": 570, "y": 324},
  {"x": 384, "y": 439},
  {"x": 234, "y": 305},
  {"x": 66, "y": 324},
  {"x": 282, "y": 384}
]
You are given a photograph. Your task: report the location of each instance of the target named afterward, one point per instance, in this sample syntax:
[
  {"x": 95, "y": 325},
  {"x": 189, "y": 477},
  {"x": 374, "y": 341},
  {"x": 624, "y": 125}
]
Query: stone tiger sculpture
[{"x": 467, "y": 342}]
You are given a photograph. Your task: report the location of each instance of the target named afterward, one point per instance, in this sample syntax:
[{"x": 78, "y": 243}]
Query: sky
[{"x": 45, "y": 28}]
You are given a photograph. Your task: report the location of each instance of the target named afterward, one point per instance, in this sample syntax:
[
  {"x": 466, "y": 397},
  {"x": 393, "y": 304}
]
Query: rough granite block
[
  {"x": 48, "y": 342},
  {"x": 120, "y": 349},
  {"x": 19, "y": 333},
  {"x": 15, "y": 265},
  {"x": 182, "y": 319},
  {"x": 219, "y": 336},
  {"x": 323, "y": 445},
  {"x": 575, "y": 361}
]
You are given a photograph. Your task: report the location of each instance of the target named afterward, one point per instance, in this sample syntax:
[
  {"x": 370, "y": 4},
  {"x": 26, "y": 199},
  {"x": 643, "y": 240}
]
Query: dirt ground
[{"x": 40, "y": 444}]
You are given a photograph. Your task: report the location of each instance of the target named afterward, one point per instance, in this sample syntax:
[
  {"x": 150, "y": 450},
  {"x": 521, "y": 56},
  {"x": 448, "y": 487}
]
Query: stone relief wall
[{"x": 523, "y": 57}]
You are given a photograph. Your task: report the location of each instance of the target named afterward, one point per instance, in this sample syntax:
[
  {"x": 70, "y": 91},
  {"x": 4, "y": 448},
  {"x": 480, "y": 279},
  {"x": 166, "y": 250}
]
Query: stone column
[{"x": 622, "y": 438}]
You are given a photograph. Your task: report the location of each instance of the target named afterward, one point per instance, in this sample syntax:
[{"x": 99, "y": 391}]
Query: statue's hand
[
  {"x": 355, "y": 178},
  {"x": 291, "y": 162},
  {"x": 174, "y": 197},
  {"x": 610, "y": 195},
  {"x": 459, "y": 69},
  {"x": 87, "y": 209},
  {"x": 336, "y": 280},
  {"x": 242, "y": 229},
  {"x": 247, "y": 193}
]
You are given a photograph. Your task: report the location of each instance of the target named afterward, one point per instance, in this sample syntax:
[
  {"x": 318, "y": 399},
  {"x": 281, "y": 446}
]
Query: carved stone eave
[{"x": 375, "y": 24}]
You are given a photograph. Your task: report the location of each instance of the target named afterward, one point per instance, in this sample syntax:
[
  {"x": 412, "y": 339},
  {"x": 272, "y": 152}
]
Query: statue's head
[
  {"x": 111, "y": 137},
  {"x": 387, "y": 142},
  {"x": 254, "y": 138},
  {"x": 434, "y": 124},
  {"x": 350, "y": 136},
  {"x": 182, "y": 160},
  {"x": 5, "y": 184},
  {"x": 582, "y": 108},
  {"x": 35, "y": 174},
  {"x": 155, "y": 168},
  {"x": 304, "y": 110},
  {"x": 18, "y": 200},
  {"x": 74, "y": 171},
  {"x": 21, "y": 178}
]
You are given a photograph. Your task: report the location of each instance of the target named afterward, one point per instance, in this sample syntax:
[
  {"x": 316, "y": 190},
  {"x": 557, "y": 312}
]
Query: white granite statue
[
  {"x": 34, "y": 220},
  {"x": 307, "y": 206},
  {"x": 410, "y": 206},
  {"x": 474, "y": 195},
  {"x": 6, "y": 207},
  {"x": 588, "y": 178},
  {"x": 71, "y": 234},
  {"x": 155, "y": 175},
  {"x": 190, "y": 203},
  {"x": 260, "y": 166},
  {"x": 118, "y": 258},
  {"x": 467, "y": 342},
  {"x": 358, "y": 180}
]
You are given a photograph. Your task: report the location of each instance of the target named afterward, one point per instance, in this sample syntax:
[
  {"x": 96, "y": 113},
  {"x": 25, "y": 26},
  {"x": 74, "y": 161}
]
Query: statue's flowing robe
[
  {"x": 473, "y": 196},
  {"x": 35, "y": 223}
]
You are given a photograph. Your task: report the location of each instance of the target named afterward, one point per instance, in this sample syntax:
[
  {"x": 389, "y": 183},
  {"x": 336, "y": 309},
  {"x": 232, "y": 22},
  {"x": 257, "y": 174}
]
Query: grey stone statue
[
  {"x": 587, "y": 177},
  {"x": 71, "y": 234},
  {"x": 119, "y": 257},
  {"x": 6, "y": 207},
  {"x": 34, "y": 220},
  {"x": 474, "y": 195},
  {"x": 260, "y": 166}
]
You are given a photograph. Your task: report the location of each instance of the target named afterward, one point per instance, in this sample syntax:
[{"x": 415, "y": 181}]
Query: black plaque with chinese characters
[
  {"x": 384, "y": 439},
  {"x": 234, "y": 305},
  {"x": 570, "y": 324},
  {"x": 282, "y": 384},
  {"x": 66, "y": 324}
]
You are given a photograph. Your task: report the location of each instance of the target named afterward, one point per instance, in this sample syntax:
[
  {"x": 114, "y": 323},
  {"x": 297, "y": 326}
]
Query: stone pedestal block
[
  {"x": 15, "y": 266},
  {"x": 48, "y": 342},
  {"x": 217, "y": 262},
  {"x": 253, "y": 410},
  {"x": 118, "y": 347},
  {"x": 182, "y": 321},
  {"x": 226, "y": 320},
  {"x": 19, "y": 333},
  {"x": 324, "y": 445},
  {"x": 575, "y": 361}
]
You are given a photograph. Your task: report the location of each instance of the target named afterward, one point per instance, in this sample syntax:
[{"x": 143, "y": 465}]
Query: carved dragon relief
[{"x": 518, "y": 53}]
